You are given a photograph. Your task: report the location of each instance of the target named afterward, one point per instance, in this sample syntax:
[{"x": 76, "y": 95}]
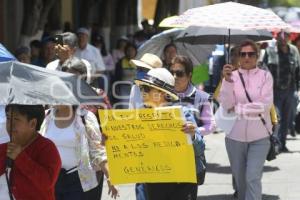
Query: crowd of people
[{"x": 59, "y": 152}]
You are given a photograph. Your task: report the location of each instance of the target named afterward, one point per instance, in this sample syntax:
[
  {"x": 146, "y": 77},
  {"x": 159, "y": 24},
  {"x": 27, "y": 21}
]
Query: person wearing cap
[
  {"x": 283, "y": 61},
  {"x": 66, "y": 51},
  {"x": 158, "y": 90},
  {"x": 148, "y": 61},
  {"x": 90, "y": 53}
]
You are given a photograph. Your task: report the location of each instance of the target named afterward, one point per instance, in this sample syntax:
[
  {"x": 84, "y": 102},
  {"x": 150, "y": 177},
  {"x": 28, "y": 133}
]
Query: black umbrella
[
  {"x": 210, "y": 35},
  {"x": 22, "y": 83}
]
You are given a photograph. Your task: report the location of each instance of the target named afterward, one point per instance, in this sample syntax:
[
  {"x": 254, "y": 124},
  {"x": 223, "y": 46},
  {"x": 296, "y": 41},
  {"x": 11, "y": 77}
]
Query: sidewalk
[{"x": 281, "y": 179}]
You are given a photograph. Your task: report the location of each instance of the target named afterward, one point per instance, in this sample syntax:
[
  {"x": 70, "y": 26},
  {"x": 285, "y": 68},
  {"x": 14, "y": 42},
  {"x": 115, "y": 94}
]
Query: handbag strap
[{"x": 250, "y": 100}]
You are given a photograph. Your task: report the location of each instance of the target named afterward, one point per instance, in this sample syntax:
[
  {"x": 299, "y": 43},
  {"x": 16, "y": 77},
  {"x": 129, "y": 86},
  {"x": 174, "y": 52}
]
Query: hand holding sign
[{"x": 147, "y": 145}]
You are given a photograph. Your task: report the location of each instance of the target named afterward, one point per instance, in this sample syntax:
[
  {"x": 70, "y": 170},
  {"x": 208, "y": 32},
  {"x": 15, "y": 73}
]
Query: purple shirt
[{"x": 206, "y": 114}]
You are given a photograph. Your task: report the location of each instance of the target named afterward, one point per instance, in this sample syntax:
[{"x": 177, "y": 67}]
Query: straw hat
[
  {"x": 160, "y": 79},
  {"x": 148, "y": 61}
]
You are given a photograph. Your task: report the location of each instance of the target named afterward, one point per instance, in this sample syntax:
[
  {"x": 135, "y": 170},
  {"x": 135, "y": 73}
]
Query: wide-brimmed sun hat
[
  {"x": 148, "y": 61},
  {"x": 160, "y": 79}
]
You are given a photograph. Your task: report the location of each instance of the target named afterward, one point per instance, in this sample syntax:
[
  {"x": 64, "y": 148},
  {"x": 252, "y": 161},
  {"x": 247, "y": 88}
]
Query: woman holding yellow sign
[{"x": 157, "y": 89}]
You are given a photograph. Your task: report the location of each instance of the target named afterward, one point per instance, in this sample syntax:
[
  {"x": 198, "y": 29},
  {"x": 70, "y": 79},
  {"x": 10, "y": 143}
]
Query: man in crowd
[
  {"x": 283, "y": 61},
  {"x": 67, "y": 50},
  {"x": 90, "y": 53}
]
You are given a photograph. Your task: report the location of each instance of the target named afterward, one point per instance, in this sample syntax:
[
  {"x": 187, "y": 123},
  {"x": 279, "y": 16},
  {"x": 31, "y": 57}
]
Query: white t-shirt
[
  {"x": 65, "y": 142},
  {"x": 91, "y": 54}
]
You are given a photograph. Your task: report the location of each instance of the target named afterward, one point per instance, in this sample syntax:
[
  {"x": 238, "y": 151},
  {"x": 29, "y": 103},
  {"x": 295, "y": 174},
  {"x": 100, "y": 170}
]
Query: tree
[
  {"x": 35, "y": 18},
  {"x": 35, "y": 15}
]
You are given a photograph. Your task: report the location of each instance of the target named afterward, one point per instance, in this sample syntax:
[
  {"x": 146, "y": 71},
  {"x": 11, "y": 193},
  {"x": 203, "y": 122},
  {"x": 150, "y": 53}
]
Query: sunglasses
[
  {"x": 250, "y": 54},
  {"x": 145, "y": 88},
  {"x": 178, "y": 73}
]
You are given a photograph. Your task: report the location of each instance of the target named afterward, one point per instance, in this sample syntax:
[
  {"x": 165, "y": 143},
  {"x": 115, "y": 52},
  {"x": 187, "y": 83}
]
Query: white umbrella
[
  {"x": 229, "y": 15},
  {"x": 197, "y": 53}
]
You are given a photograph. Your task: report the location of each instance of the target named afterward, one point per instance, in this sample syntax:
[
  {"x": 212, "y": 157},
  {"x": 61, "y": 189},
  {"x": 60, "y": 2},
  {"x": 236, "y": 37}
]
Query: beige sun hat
[
  {"x": 160, "y": 79},
  {"x": 148, "y": 61}
]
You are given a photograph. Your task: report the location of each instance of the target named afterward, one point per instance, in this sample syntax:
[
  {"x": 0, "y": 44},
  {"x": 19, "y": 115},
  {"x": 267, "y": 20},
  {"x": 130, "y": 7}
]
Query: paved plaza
[{"x": 281, "y": 179}]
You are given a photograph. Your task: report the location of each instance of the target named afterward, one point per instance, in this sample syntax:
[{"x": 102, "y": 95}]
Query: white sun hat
[
  {"x": 148, "y": 61},
  {"x": 160, "y": 79}
]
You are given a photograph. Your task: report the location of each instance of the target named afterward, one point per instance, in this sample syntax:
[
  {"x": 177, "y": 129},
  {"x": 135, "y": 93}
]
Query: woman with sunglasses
[
  {"x": 248, "y": 142},
  {"x": 182, "y": 70},
  {"x": 157, "y": 88},
  {"x": 197, "y": 101}
]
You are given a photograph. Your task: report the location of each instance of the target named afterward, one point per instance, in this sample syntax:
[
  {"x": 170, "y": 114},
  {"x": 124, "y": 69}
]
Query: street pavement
[{"x": 281, "y": 178}]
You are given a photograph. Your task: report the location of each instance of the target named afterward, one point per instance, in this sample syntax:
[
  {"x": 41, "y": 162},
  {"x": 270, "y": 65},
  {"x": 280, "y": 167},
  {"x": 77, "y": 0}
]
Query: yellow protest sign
[{"x": 147, "y": 145}]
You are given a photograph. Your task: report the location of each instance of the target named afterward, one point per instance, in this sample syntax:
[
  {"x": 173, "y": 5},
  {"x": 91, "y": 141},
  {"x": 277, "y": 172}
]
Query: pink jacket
[{"x": 259, "y": 84}]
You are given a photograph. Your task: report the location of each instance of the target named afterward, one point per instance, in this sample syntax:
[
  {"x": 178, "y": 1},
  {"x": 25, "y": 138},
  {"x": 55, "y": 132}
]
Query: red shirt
[{"x": 34, "y": 171}]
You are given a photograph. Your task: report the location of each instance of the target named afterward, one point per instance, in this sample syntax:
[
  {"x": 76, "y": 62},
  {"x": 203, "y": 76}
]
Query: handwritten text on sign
[{"x": 147, "y": 145}]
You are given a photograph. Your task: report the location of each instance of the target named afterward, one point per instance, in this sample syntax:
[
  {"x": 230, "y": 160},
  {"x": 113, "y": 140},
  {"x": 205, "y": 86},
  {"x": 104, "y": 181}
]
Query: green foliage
[
  {"x": 200, "y": 74},
  {"x": 288, "y": 3}
]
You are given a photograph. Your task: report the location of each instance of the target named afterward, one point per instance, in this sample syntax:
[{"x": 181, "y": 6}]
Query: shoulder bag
[{"x": 274, "y": 142}]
